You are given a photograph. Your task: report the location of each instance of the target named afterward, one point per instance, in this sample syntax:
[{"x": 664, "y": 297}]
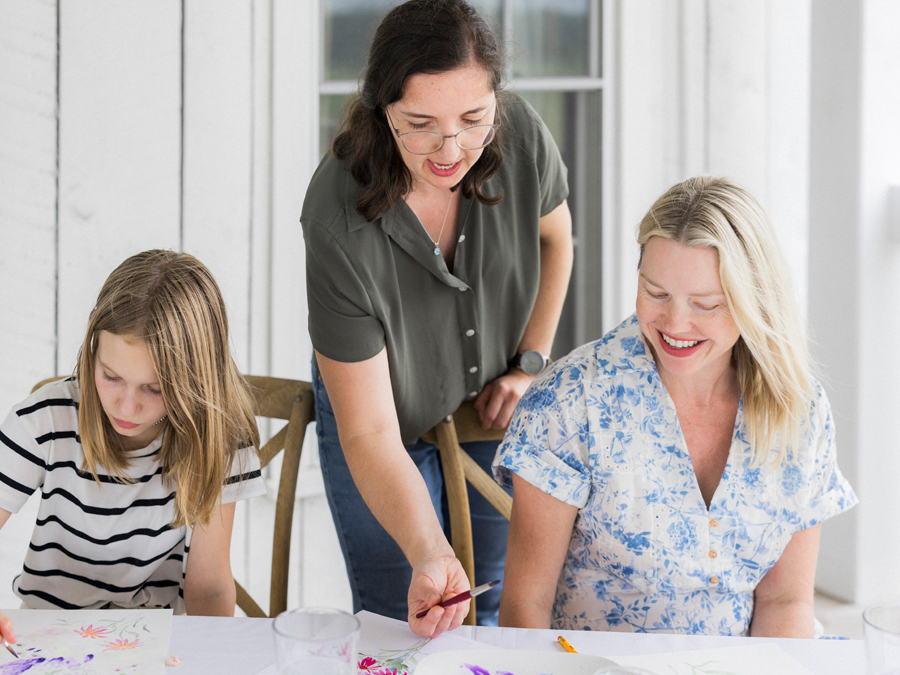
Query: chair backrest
[
  {"x": 290, "y": 400},
  {"x": 464, "y": 426}
]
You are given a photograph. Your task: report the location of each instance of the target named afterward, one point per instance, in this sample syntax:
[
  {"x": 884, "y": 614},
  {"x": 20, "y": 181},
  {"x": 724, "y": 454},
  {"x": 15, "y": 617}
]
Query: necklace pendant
[{"x": 437, "y": 250}]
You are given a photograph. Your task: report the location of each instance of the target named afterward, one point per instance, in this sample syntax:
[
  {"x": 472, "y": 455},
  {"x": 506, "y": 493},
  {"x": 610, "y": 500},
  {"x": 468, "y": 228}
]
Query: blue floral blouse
[{"x": 599, "y": 431}]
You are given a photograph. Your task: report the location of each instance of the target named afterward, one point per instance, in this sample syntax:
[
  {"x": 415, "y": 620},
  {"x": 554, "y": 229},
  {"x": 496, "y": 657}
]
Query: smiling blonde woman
[{"x": 672, "y": 476}]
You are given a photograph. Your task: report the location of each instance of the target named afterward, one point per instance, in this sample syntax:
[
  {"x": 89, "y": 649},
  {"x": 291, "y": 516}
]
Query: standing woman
[{"x": 438, "y": 249}]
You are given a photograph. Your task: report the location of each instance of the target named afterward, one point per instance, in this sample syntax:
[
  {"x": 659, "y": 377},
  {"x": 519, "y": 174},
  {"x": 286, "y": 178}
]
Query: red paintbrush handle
[{"x": 465, "y": 595}]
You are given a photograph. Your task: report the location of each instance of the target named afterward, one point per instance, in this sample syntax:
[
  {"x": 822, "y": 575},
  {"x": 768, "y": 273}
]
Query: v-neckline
[{"x": 685, "y": 453}]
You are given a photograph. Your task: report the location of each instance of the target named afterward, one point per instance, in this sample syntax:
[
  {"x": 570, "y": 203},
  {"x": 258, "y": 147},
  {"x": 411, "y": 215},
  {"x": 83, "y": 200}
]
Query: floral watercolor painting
[
  {"x": 88, "y": 642},
  {"x": 388, "y": 647},
  {"x": 392, "y": 661}
]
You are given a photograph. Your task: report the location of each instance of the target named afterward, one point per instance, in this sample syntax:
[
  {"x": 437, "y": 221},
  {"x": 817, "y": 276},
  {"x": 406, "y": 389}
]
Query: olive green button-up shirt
[{"x": 378, "y": 284}]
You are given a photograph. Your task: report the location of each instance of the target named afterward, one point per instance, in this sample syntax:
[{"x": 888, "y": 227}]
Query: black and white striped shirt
[{"x": 94, "y": 545}]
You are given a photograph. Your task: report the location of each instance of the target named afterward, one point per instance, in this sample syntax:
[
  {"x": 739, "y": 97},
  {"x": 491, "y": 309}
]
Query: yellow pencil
[{"x": 565, "y": 643}]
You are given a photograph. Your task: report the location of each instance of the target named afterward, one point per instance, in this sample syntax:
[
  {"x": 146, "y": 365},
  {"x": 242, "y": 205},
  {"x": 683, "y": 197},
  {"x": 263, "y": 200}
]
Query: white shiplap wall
[{"x": 182, "y": 124}]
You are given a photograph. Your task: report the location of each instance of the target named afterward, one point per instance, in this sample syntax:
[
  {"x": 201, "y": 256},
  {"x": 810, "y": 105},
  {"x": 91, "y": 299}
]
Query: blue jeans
[{"x": 378, "y": 571}]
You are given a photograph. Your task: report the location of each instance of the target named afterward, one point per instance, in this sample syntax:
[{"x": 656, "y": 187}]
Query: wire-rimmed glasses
[{"x": 427, "y": 142}]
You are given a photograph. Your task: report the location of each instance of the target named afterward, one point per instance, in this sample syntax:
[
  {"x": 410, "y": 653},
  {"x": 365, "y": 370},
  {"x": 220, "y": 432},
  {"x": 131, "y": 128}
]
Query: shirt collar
[{"x": 625, "y": 347}]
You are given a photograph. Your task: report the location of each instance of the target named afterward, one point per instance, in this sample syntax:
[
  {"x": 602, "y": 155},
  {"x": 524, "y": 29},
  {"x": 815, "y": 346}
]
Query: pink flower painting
[
  {"x": 93, "y": 632},
  {"x": 122, "y": 644}
]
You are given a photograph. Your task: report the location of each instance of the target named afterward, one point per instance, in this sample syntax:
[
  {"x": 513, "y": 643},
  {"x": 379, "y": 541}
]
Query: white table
[{"x": 246, "y": 646}]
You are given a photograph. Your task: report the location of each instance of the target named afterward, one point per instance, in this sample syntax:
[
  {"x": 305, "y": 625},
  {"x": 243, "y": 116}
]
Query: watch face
[{"x": 532, "y": 362}]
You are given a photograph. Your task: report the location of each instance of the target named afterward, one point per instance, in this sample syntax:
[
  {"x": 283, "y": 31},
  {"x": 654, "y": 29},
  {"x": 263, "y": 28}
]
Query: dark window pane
[
  {"x": 550, "y": 38},
  {"x": 574, "y": 119},
  {"x": 331, "y": 110}
]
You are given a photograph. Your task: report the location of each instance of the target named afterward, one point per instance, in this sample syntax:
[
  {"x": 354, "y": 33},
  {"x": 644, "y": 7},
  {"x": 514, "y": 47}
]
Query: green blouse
[{"x": 376, "y": 284}]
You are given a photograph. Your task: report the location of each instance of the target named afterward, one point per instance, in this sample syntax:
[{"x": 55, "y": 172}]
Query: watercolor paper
[
  {"x": 389, "y": 647},
  {"x": 88, "y": 642},
  {"x": 766, "y": 657},
  {"x": 509, "y": 662}
]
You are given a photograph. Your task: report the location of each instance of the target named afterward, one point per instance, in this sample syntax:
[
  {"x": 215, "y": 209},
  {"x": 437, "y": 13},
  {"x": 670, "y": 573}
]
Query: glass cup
[
  {"x": 881, "y": 625},
  {"x": 316, "y": 641}
]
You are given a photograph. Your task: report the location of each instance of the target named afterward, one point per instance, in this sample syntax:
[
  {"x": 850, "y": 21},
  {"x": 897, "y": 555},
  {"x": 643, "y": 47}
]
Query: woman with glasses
[{"x": 439, "y": 248}]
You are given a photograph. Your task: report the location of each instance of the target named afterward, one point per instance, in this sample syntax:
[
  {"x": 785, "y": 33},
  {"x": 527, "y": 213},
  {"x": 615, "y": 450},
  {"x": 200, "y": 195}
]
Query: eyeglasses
[{"x": 427, "y": 142}]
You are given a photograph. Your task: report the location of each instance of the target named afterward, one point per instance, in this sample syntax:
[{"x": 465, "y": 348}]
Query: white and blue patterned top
[{"x": 598, "y": 430}]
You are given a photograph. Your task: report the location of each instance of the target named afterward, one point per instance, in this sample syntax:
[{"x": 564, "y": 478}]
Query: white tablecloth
[{"x": 246, "y": 646}]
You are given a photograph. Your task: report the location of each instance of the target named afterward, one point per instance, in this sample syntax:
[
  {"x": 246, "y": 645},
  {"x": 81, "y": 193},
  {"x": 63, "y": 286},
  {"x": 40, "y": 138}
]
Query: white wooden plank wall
[
  {"x": 27, "y": 196},
  {"x": 119, "y": 146},
  {"x": 710, "y": 87},
  {"x": 183, "y": 124}
]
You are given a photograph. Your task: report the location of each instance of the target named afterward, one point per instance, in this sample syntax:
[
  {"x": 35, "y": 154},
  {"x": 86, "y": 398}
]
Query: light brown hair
[{"x": 171, "y": 303}]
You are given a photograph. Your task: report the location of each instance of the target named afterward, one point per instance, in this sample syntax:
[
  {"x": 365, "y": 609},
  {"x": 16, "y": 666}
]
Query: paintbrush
[
  {"x": 8, "y": 647},
  {"x": 462, "y": 597}
]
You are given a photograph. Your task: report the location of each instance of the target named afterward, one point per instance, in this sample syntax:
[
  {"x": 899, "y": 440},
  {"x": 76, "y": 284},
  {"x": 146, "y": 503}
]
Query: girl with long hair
[{"x": 140, "y": 455}]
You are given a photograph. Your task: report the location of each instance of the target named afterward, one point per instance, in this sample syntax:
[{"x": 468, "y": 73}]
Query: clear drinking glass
[
  {"x": 881, "y": 624},
  {"x": 316, "y": 641}
]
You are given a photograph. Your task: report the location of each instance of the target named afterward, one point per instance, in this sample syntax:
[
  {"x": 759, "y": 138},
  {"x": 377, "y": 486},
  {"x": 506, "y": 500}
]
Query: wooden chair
[
  {"x": 464, "y": 426},
  {"x": 290, "y": 400}
]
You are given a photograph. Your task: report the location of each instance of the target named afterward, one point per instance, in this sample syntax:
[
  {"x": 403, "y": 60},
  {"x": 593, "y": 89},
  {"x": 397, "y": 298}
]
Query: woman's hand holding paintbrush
[
  {"x": 462, "y": 597},
  {"x": 436, "y": 576}
]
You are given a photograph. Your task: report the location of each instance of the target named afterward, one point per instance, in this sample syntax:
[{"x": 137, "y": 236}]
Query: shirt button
[
  {"x": 470, "y": 333},
  {"x": 462, "y": 288},
  {"x": 713, "y": 554},
  {"x": 714, "y": 580},
  {"x": 713, "y": 523},
  {"x": 473, "y": 394},
  {"x": 462, "y": 238},
  {"x": 473, "y": 369}
]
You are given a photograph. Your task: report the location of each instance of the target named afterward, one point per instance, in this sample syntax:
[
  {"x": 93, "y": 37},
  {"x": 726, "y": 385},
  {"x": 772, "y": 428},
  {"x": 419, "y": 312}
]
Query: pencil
[{"x": 565, "y": 643}]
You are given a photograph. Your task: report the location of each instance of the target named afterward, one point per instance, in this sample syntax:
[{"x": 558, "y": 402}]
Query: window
[{"x": 554, "y": 53}]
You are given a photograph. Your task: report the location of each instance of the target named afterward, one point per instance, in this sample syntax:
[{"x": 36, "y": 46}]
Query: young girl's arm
[
  {"x": 208, "y": 583},
  {"x": 6, "y": 627}
]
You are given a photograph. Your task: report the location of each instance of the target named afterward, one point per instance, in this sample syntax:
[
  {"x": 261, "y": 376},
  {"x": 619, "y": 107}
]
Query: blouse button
[
  {"x": 473, "y": 394},
  {"x": 713, "y": 554},
  {"x": 470, "y": 333},
  {"x": 473, "y": 369},
  {"x": 714, "y": 580},
  {"x": 713, "y": 522},
  {"x": 462, "y": 238}
]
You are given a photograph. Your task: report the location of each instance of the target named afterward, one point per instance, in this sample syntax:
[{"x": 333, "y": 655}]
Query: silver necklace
[{"x": 437, "y": 248}]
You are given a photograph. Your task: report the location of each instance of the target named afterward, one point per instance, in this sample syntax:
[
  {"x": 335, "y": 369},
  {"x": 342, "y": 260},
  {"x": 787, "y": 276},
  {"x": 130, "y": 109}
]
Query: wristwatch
[{"x": 531, "y": 361}]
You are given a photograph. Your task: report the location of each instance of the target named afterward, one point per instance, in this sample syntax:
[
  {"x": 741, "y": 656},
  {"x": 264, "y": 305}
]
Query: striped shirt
[{"x": 94, "y": 545}]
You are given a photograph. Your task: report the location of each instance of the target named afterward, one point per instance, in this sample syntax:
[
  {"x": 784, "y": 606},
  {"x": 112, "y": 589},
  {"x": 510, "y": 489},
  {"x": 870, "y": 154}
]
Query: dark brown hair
[{"x": 419, "y": 36}]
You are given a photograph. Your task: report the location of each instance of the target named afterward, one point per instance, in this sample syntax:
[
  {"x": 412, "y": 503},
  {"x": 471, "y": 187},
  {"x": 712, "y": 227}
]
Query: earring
[{"x": 159, "y": 420}]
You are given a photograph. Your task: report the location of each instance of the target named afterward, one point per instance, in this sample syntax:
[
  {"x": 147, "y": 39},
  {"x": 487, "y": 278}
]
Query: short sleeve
[
  {"x": 342, "y": 325},
  {"x": 22, "y": 464},
  {"x": 831, "y": 493},
  {"x": 245, "y": 477},
  {"x": 546, "y": 443},
  {"x": 551, "y": 169}
]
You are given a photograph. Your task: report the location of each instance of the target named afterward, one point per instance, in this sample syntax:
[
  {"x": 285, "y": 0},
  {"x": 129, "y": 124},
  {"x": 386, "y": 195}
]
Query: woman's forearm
[
  {"x": 395, "y": 492},
  {"x": 792, "y": 619}
]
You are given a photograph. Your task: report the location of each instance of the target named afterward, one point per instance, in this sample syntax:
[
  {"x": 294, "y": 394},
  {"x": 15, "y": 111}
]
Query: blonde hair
[
  {"x": 170, "y": 302},
  {"x": 771, "y": 356}
]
